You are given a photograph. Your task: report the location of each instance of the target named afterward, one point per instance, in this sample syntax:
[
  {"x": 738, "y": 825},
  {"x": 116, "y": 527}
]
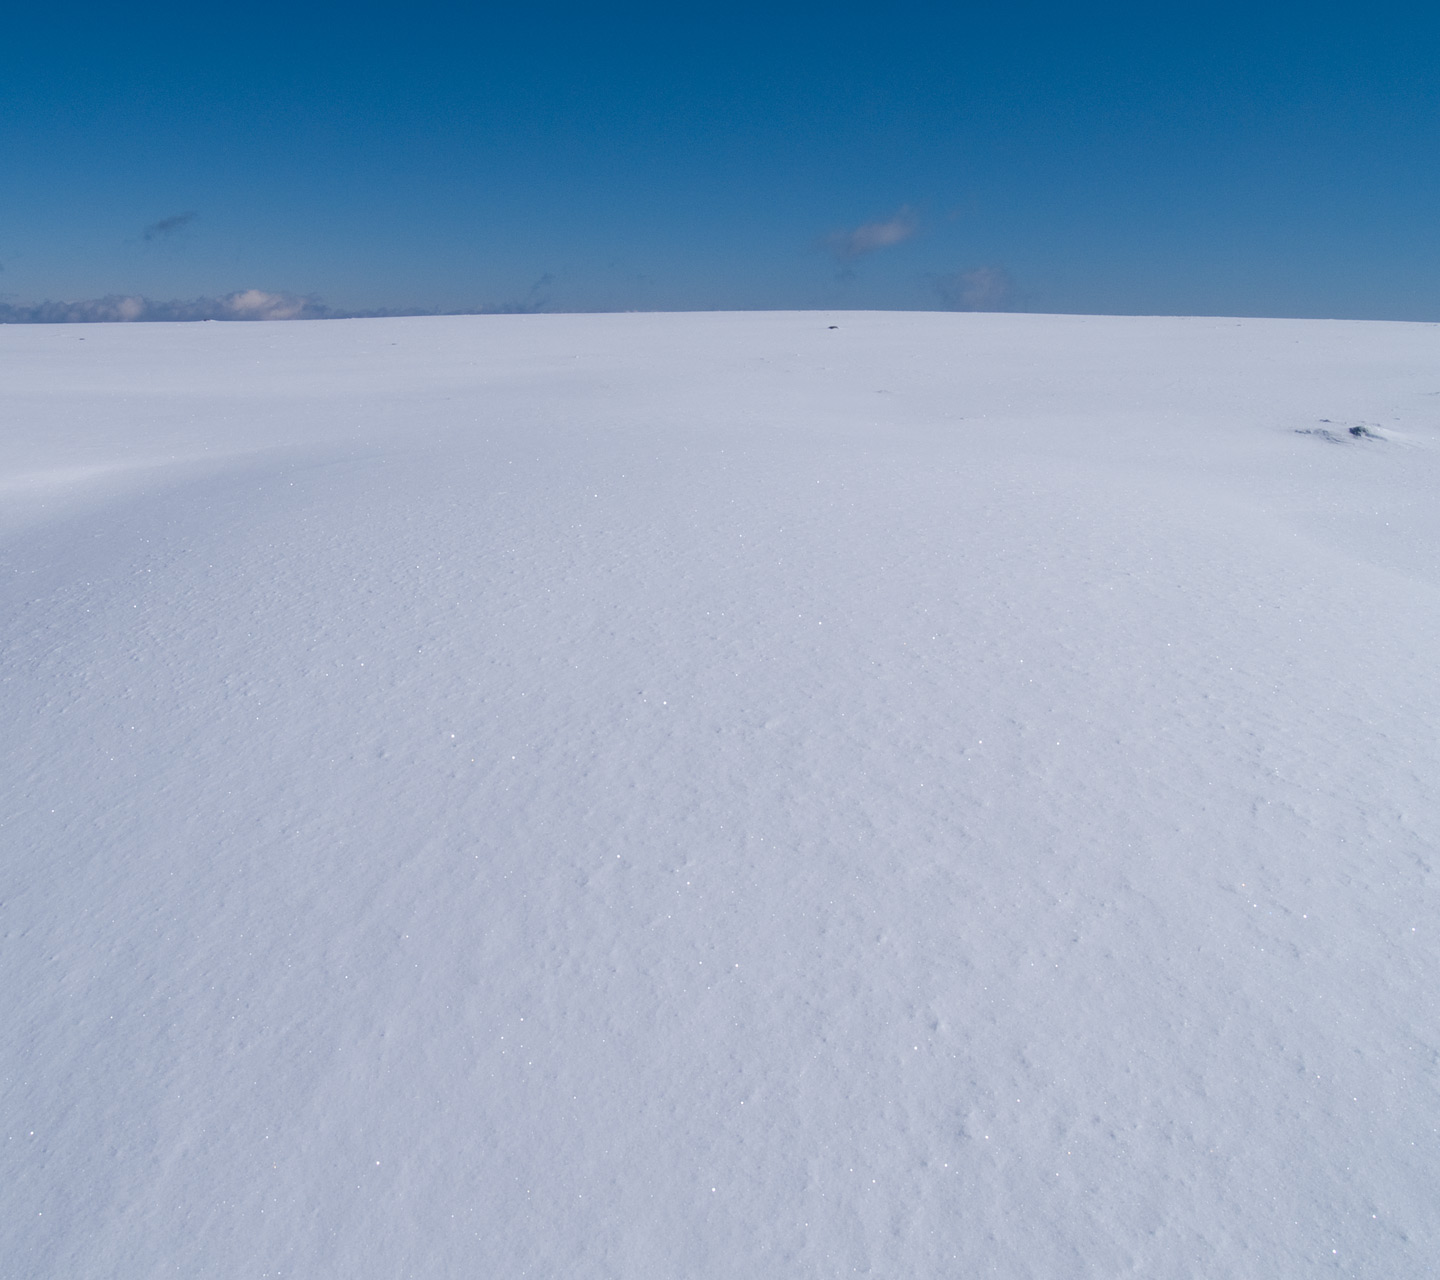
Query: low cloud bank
[{"x": 248, "y": 304}]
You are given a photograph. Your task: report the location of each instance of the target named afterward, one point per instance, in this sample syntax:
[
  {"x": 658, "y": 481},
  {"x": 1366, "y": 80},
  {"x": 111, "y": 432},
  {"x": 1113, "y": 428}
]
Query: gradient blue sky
[{"x": 1258, "y": 160}]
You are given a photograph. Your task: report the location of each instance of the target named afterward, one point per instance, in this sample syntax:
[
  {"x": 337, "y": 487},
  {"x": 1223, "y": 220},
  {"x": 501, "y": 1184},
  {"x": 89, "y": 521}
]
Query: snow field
[{"x": 714, "y": 795}]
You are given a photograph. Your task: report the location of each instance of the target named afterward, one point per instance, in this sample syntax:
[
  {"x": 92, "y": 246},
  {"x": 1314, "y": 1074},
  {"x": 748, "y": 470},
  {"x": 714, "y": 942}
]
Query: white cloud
[
  {"x": 256, "y": 304},
  {"x": 869, "y": 236}
]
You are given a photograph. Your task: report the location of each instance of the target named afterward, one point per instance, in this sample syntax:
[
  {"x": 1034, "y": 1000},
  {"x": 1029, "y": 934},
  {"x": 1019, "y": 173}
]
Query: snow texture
[{"x": 771, "y": 795}]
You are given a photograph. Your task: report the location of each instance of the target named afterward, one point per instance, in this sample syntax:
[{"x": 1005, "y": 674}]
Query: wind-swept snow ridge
[{"x": 720, "y": 795}]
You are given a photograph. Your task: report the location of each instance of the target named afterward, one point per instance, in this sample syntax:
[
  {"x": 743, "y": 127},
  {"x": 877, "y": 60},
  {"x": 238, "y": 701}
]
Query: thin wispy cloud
[
  {"x": 168, "y": 227},
  {"x": 858, "y": 241},
  {"x": 983, "y": 289},
  {"x": 533, "y": 302}
]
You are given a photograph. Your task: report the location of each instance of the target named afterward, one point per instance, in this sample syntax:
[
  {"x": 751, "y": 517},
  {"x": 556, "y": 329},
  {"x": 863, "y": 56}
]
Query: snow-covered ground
[{"x": 772, "y": 795}]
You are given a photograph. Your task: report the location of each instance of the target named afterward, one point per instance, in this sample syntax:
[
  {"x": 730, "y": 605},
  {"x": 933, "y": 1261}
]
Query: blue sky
[{"x": 1261, "y": 160}]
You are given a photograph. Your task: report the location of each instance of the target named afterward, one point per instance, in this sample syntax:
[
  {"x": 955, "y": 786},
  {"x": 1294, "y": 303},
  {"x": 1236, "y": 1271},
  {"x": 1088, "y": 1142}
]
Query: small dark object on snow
[
  {"x": 834, "y": 326},
  {"x": 1361, "y": 432}
]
